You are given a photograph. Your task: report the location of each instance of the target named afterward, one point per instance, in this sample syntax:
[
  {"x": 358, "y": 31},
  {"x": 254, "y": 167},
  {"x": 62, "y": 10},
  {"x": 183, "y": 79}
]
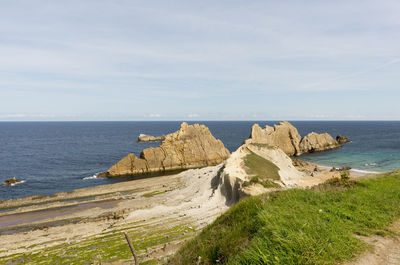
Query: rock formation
[
  {"x": 190, "y": 147},
  {"x": 333, "y": 169},
  {"x": 235, "y": 173},
  {"x": 150, "y": 138},
  {"x": 286, "y": 137},
  {"x": 11, "y": 181},
  {"x": 314, "y": 142},
  {"x": 342, "y": 139}
]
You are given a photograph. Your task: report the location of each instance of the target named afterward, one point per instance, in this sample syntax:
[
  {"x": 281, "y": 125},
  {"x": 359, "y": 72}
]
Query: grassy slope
[
  {"x": 298, "y": 226},
  {"x": 263, "y": 171}
]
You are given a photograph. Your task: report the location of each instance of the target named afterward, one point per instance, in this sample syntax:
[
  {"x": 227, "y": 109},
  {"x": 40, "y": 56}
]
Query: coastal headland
[{"x": 160, "y": 213}]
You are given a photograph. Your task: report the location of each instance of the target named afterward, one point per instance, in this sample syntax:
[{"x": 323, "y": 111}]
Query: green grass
[
  {"x": 260, "y": 166},
  {"x": 315, "y": 226},
  {"x": 154, "y": 193},
  {"x": 265, "y": 182},
  {"x": 109, "y": 246},
  {"x": 261, "y": 145},
  {"x": 263, "y": 171}
]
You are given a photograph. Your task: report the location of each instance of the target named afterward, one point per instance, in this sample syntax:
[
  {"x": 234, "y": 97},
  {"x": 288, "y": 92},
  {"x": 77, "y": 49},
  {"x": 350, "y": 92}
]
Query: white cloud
[{"x": 177, "y": 55}]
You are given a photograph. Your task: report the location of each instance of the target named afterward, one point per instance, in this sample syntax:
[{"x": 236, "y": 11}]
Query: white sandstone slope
[
  {"x": 288, "y": 173},
  {"x": 212, "y": 189},
  {"x": 235, "y": 174},
  {"x": 199, "y": 198}
]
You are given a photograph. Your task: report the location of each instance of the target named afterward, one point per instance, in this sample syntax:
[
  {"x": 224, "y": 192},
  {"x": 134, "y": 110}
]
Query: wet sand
[{"x": 17, "y": 219}]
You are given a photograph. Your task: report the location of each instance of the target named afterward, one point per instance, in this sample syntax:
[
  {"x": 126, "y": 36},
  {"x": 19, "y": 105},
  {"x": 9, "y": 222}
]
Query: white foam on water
[
  {"x": 353, "y": 170},
  {"x": 324, "y": 167},
  {"x": 91, "y": 177},
  {"x": 360, "y": 171},
  {"x": 13, "y": 184}
]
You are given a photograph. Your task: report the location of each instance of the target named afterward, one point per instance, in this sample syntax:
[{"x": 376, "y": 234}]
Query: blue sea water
[{"x": 61, "y": 156}]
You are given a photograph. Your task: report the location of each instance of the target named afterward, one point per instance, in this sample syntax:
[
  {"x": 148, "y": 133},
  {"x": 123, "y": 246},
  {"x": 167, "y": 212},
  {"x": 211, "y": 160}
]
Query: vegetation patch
[
  {"x": 262, "y": 145},
  {"x": 299, "y": 226},
  {"x": 154, "y": 193},
  {"x": 261, "y": 167},
  {"x": 338, "y": 184},
  {"x": 266, "y": 183},
  {"x": 109, "y": 246}
]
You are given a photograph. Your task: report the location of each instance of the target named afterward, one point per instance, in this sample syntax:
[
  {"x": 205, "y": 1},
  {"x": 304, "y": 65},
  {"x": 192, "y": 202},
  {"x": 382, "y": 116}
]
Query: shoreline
[
  {"x": 174, "y": 207},
  {"x": 238, "y": 132},
  {"x": 354, "y": 171},
  {"x": 123, "y": 190},
  {"x": 180, "y": 205}
]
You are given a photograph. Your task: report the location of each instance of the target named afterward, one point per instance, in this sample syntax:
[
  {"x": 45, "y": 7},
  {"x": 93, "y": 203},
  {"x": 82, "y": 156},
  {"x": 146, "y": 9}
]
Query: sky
[{"x": 199, "y": 60}]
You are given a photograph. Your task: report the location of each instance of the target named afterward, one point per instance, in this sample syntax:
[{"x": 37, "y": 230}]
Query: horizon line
[{"x": 182, "y": 120}]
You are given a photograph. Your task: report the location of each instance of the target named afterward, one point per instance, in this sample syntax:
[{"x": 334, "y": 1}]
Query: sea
[{"x": 52, "y": 157}]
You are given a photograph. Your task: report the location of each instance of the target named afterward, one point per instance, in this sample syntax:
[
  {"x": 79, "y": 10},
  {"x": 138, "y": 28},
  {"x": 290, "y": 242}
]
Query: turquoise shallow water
[
  {"x": 61, "y": 156},
  {"x": 374, "y": 146}
]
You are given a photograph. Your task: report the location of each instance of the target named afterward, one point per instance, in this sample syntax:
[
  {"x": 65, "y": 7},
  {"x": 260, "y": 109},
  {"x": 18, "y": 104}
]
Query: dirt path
[{"x": 386, "y": 250}]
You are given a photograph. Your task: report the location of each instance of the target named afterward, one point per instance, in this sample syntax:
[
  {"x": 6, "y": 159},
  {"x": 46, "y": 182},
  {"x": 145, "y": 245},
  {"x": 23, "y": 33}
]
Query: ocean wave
[
  {"x": 370, "y": 164},
  {"x": 354, "y": 170},
  {"x": 324, "y": 167},
  {"x": 13, "y": 184},
  {"x": 364, "y": 171},
  {"x": 91, "y": 177}
]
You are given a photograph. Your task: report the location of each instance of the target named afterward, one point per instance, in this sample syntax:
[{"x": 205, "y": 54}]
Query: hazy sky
[{"x": 199, "y": 60}]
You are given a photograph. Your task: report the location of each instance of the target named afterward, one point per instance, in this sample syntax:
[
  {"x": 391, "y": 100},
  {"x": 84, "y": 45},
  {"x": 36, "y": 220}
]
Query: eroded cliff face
[
  {"x": 190, "y": 147},
  {"x": 286, "y": 137}
]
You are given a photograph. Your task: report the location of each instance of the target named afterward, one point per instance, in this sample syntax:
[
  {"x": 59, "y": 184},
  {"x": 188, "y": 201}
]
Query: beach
[
  {"x": 170, "y": 208},
  {"x": 160, "y": 211},
  {"x": 165, "y": 210}
]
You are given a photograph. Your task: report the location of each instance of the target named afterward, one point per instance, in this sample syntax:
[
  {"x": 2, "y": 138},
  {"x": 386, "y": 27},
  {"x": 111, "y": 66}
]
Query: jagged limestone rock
[
  {"x": 150, "y": 138},
  {"x": 314, "y": 142},
  {"x": 11, "y": 181},
  {"x": 284, "y": 135},
  {"x": 190, "y": 147},
  {"x": 342, "y": 139}
]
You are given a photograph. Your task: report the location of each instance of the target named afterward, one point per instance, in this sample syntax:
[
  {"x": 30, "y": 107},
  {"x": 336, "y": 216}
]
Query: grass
[
  {"x": 261, "y": 145},
  {"x": 265, "y": 182},
  {"x": 314, "y": 226},
  {"x": 154, "y": 193},
  {"x": 109, "y": 246},
  {"x": 264, "y": 172}
]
